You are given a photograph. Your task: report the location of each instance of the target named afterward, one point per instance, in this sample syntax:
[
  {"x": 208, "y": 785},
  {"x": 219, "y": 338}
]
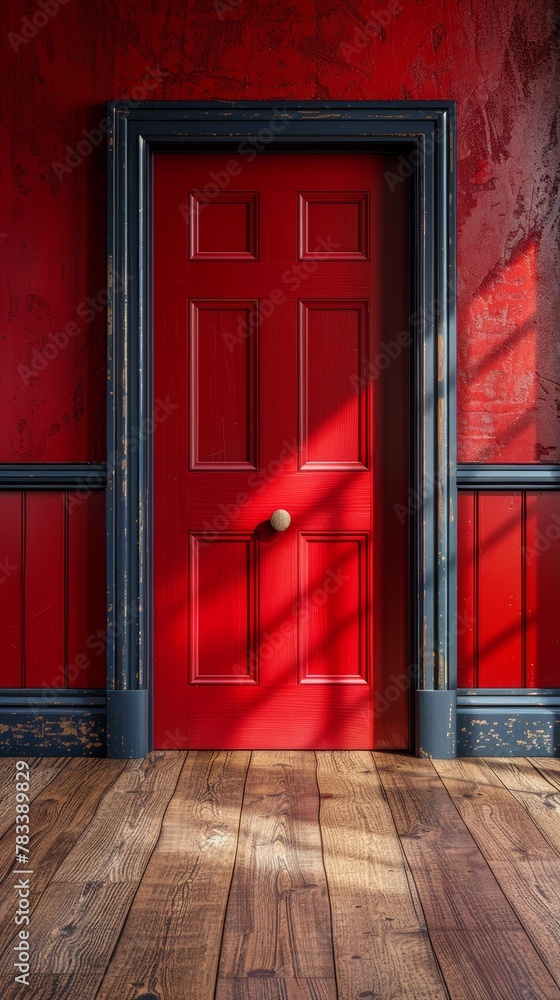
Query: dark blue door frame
[{"x": 424, "y": 136}]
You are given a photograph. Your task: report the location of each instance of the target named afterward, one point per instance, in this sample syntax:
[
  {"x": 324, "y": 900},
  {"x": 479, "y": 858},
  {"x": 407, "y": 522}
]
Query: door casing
[{"x": 423, "y": 135}]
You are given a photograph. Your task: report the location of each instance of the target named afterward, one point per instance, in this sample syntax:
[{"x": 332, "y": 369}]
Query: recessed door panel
[
  {"x": 334, "y": 424},
  {"x": 334, "y": 601},
  {"x": 223, "y": 645},
  {"x": 223, "y": 385}
]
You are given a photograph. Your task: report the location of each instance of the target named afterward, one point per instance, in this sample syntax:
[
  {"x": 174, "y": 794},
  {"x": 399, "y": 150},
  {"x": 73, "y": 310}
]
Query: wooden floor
[{"x": 289, "y": 875}]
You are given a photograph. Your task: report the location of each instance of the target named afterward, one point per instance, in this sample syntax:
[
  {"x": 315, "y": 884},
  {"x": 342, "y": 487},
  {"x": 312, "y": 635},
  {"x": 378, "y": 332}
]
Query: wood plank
[
  {"x": 278, "y": 919},
  {"x": 273, "y": 988},
  {"x": 73, "y": 933},
  {"x": 457, "y": 888},
  {"x": 380, "y": 939},
  {"x": 60, "y": 813},
  {"x": 537, "y": 795},
  {"x": 118, "y": 842},
  {"x": 170, "y": 944},
  {"x": 80, "y": 915},
  {"x": 549, "y": 767},
  {"x": 42, "y": 770},
  {"x": 491, "y": 967},
  {"x": 525, "y": 865}
]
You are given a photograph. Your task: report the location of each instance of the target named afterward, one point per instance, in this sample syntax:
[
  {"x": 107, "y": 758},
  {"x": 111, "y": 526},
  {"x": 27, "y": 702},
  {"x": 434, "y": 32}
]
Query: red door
[{"x": 279, "y": 296}]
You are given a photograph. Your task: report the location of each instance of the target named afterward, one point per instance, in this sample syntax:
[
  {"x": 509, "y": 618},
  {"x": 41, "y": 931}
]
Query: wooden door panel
[
  {"x": 333, "y": 604},
  {"x": 334, "y": 415},
  {"x": 223, "y": 391},
  {"x": 271, "y": 297},
  {"x": 223, "y": 574},
  {"x": 334, "y": 225}
]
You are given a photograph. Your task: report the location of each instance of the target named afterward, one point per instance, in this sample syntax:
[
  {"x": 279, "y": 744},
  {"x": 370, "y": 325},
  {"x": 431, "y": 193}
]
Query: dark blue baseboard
[
  {"x": 501, "y": 723},
  {"x": 52, "y": 723}
]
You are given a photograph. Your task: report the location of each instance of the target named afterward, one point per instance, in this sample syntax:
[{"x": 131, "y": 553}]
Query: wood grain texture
[
  {"x": 43, "y": 770},
  {"x": 278, "y": 920},
  {"x": 491, "y": 967},
  {"x": 118, "y": 842},
  {"x": 380, "y": 937},
  {"x": 525, "y": 865},
  {"x": 538, "y": 796},
  {"x": 59, "y": 814},
  {"x": 273, "y": 988},
  {"x": 80, "y": 915},
  {"x": 549, "y": 767},
  {"x": 170, "y": 944},
  {"x": 200, "y": 877},
  {"x": 457, "y": 888},
  {"x": 75, "y": 929}
]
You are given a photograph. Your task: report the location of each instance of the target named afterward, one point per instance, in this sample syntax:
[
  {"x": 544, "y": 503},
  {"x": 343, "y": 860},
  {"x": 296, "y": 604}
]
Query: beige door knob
[{"x": 280, "y": 520}]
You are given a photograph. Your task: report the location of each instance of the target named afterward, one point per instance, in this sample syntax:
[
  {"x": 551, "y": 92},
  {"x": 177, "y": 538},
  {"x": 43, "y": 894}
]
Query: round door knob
[{"x": 280, "y": 520}]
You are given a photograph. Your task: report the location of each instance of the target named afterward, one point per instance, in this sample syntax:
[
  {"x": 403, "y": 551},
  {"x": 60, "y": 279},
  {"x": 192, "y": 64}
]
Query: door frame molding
[{"x": 424, "y": 136}]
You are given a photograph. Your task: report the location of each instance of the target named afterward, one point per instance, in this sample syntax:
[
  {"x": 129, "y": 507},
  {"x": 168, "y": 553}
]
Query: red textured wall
[{"x": 495, "y": 57}]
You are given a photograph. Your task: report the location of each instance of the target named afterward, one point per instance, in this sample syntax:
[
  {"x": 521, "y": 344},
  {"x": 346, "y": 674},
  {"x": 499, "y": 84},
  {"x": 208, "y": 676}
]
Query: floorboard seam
[
  {"x": 233, "y": 867},
  {"x": 326, "y": 873},
  {"x": 506, "y": 897},
  {"x": 139, "y": 883},
  {"x": 552, "y": 846},
  {"x": 410, "y": 875}
]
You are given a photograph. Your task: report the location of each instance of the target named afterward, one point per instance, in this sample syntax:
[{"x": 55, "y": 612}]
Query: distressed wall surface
[{"x": 497, "y": 59}]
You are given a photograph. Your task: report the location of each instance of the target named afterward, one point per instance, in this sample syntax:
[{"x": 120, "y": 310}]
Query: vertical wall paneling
[
  {"x": 508, "y": 585},
  {"x": 500, "y": 646},
  {"x": 45, "y": 590},
  {"x": 52, "y": 589},
  {"x": 542, "y": 570},
  {"x": 11, "y": 549},
  {"x": 86, "y": 590},
  {"x": 467, "y": 589}
]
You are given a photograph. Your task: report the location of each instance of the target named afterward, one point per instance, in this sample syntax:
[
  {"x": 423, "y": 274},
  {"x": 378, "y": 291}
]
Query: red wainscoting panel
[
  {"x": 45, "y": 598},
  {"x": 86, "y": 591},
  {"x": 509, "y": 580},
  {"x": 52, "y": 589},
  {"x": 542, "y": 569},
  {"x": 11, "y": 514}
]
